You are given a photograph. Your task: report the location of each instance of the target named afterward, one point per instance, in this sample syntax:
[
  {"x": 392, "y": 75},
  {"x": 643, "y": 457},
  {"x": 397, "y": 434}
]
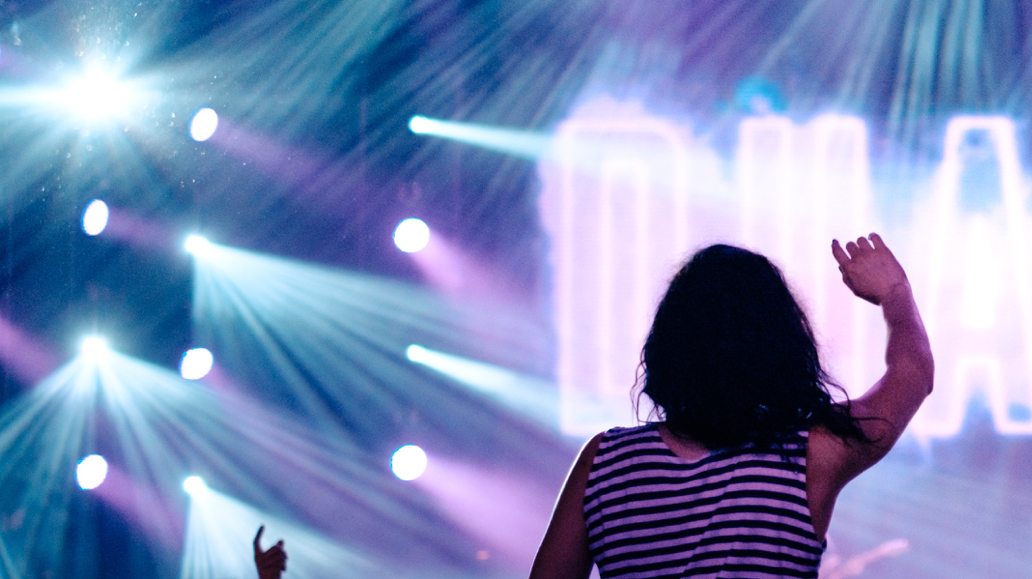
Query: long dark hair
[{"x": 731, "y": 357}]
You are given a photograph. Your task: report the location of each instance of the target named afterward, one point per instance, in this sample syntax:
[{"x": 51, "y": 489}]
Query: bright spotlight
[
  {"x": 94, "y": 348},
  {"x": 420, "y": 125},
  {"x": 415, "y": 353},
  {"x": 91, "y": 472},
  {"x": 95, "y": 217},
  {"x": 197, "y": 245},
  {"x": 96, "y": 95},
  {"x": 411, "y": 235},
  {"x": 196, "y": 364},
  {"x": 203, "y": 125},
  {"x": 408, "y": 462},
  {"x": 194, "y": 486}
]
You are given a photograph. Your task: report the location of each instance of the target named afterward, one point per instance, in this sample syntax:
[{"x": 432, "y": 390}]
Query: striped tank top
[{"x": 736, "y": 512}]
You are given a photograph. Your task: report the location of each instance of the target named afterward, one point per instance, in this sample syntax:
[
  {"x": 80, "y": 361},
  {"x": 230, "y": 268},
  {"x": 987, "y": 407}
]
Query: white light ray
[
  {"x": 533, "y": 397},
  {"x": 519, "y": 143},
  {"x": 220, "y": 530},
  {"x": 340, "y": 334}
]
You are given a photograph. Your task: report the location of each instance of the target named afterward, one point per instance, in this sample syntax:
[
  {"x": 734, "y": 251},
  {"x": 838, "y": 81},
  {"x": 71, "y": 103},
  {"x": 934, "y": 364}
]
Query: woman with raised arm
[{"x": 740, "y": 475}]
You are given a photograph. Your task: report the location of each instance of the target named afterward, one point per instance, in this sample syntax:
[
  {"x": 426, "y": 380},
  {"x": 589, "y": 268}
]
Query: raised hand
[
  {"x": 270, "y": 563},
  {"x": 869, "y": 269}
]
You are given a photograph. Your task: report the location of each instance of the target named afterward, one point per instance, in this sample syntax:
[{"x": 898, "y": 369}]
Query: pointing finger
[
  {"x": 838, "y": 253},
  {"x": 258, "y": 540}
]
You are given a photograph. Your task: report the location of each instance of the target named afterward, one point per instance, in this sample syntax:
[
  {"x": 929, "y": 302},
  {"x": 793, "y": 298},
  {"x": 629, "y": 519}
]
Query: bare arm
[
  {"x": 871, "y": 271},
  {"x": 563, "y": 553}
]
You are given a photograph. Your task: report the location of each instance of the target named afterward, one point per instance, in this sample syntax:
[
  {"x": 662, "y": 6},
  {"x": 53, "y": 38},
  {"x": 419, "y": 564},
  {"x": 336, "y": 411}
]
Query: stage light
[
  {"x": 194, "y": 486},
  {"x": 95, "y": 95},
  {"x": 91, "y": 472},
  {"x": 94, "y": 348},
  {"x": 408, "y": 462},
  {"x": 203, "y": 125},
  {"x": 411, "y": 235},
  {"x": 420, "y": 125},
  {"x": 196, "y": 363},
  {"x": 197, "y": 245},
  {"x": 95, "y": 217},
  {"x": 416, "y": 353},
  {"x": 517, "y": 142}
]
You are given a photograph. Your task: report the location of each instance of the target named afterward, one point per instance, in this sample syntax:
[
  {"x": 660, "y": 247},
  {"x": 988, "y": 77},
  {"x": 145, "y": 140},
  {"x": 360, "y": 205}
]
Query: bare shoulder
[
  {"x": 587, "y": 455},
  {"x": 591, "y": 446},
  {"x": 827, "y": 459},
  {"x": 835, "y": 461},
  {"x": 563, "y": 553},
  {"x": 830, "y": 464}
]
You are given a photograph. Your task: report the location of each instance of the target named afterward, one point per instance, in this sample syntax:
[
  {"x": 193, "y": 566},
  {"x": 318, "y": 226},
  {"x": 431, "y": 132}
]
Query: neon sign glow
[{"x": 627, "y": 195}]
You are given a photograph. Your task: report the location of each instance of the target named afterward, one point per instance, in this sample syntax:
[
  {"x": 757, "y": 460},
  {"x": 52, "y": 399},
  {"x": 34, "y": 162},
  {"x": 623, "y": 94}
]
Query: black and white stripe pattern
[{"x": 735, "y": 513}]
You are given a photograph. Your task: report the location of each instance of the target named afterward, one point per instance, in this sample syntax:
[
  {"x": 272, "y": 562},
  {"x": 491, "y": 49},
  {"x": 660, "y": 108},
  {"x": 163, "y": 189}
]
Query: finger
[
  {"x": 258, "y": 540},
  {"x": 852, "y": 249},
  {"x": 838, "y": 253},
  {"x": 864, "y": 244},
  {"x": 876, "y": 240}
]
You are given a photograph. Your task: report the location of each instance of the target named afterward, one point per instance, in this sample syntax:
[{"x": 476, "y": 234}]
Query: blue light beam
[
  {"x": 530, "y": 396},
  {"x": 519, "y": 143}
]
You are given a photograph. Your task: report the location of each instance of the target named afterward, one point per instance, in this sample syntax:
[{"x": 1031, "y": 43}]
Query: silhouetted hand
[
  {"x": 270, "y": 563},
  {"x": 869, "y": 269}
]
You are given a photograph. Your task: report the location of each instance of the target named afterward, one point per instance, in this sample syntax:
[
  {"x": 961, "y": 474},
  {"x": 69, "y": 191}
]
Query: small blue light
[
  {"x": 91, "y": 472},
  {"x": 95, "y": 217},
  {"x": 204, "y": 124}
]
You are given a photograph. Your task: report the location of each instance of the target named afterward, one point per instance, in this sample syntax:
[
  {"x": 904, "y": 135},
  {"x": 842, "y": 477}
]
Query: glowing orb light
[
  {"x": 96, "y": 95},
  {"x": 91, "y": 472},
  {"x": 420, "y": 125},
  {"x": 94, "y": 348},
  {"x": 203, "y": 125},
  {"x": 194, "y": 486},
  {"x": 196, "y": 363},
  {"x": 415, "y": 353},
  {"x": 197, "y": 245},
  {"x": 95, "y": 217},
  {"x": 408, "y": 462},
  {"x": 411, "y": 235}
]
